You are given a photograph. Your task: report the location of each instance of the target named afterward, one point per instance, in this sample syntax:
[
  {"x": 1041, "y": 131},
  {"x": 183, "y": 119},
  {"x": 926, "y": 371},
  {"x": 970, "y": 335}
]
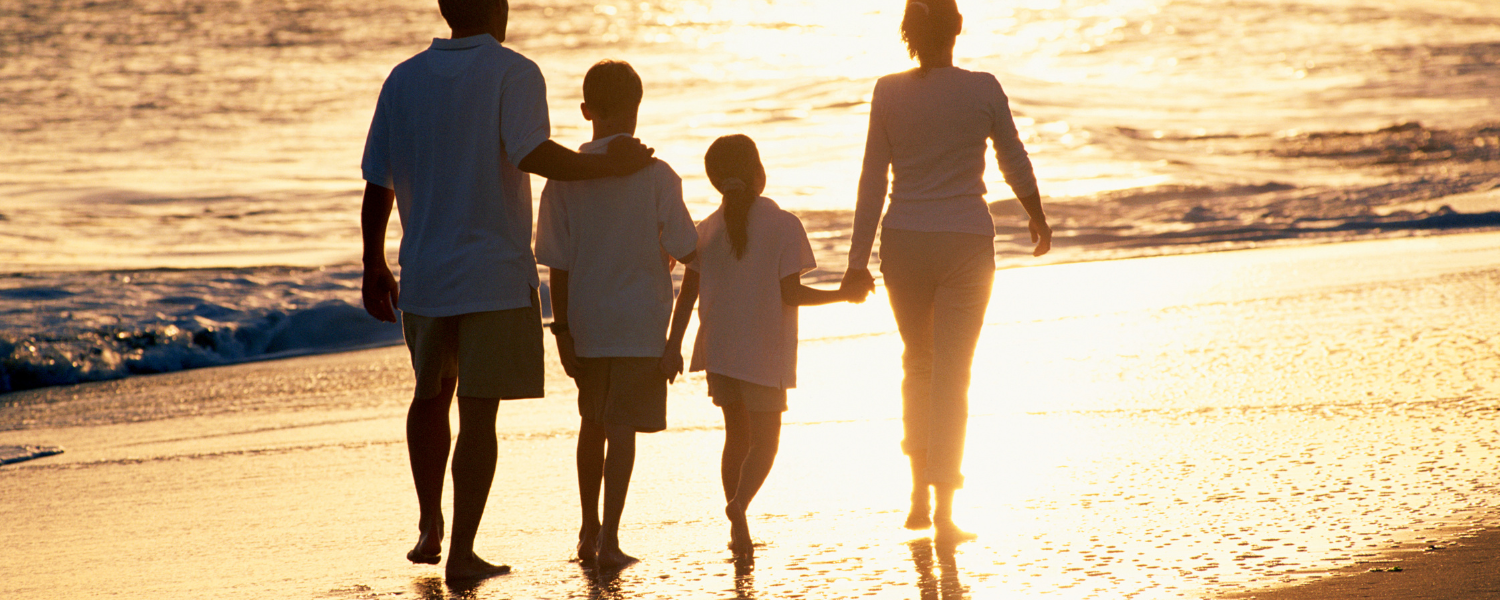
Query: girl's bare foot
[
  {"x": 739, "y": 530},
  {"x": 588, "y": 542},
  {"x": 473, "y": 568},
  {"x": 429, "y": 548},
  {"x": 610, "y": 557}
]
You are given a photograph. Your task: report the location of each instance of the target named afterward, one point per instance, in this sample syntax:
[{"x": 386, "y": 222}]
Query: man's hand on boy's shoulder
[{"x": 628, "y": 155}]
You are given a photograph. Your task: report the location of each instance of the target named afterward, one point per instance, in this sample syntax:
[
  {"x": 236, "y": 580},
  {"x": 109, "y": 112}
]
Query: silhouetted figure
[
  {"x": 605, "y": 242},
  {"x": 751, "y": 257},
  {"x": 928, "y": 127},
  {"x": 455, "y": 128}
]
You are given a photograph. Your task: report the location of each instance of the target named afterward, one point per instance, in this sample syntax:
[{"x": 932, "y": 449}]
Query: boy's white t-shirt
[
  {"x": 451, "y": 123},
  {"x": 609, "y": 234},
  {"x": 744, "y": 329}
]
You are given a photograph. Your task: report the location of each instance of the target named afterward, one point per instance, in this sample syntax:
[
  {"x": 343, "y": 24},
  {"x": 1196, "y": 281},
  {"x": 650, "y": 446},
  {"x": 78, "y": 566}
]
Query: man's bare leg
[
  {"x": 473, "y": 471},
  {"x": 920, "y": 515},
  {"x": 765, "y": 440},
  {"x": 590, "y": 459},
  {"x": 619, "y": 463},
  {"x": 427, "y": 439}
]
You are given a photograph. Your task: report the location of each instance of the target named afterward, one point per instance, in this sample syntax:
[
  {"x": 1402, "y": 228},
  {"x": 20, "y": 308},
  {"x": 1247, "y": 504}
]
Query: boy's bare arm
[
  {"x": 558, "y": 279},
  {"x": 671, "y": 359},
  {"x": 380, "y": 292},
  {"x": 793, "y": 293},
  {"x": 625, "y": 155}
]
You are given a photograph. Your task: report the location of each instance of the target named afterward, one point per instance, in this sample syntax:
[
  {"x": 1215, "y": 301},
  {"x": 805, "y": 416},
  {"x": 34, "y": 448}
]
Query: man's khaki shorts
[{"x": 494, "y": 354}]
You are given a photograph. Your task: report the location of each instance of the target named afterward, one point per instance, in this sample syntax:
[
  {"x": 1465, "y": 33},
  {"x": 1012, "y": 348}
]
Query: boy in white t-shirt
[
  {"x": 609, "y": 244},
  {"x": 751, "y": 257}
]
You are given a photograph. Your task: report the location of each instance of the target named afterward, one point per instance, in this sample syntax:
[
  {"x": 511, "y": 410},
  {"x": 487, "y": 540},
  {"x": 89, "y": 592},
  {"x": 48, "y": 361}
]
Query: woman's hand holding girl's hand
[
  {"x": 1041, "y": 235},
  {"x": 857, "y": 285}
]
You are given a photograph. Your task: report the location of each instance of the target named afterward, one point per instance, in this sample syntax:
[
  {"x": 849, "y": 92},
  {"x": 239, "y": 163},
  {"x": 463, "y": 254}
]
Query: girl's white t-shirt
[{"x": 744, "y": 329}]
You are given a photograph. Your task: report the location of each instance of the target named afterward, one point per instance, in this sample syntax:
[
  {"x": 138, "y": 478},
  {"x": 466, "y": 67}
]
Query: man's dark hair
[
  {"x": 467, "y": 14},
  {"x": 612, "y": 87}
]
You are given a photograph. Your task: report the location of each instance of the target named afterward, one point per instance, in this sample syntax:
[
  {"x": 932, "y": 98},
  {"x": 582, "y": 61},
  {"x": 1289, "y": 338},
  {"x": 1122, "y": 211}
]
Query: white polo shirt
[
  {"x": 744, "y": 329},
  {"x": 609, "y": 235},
  {"x": 451, "y": 124}
]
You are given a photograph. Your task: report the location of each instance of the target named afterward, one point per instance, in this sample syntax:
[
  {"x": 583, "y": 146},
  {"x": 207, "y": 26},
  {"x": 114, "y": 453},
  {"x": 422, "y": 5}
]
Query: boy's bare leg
[
  {"x": 590, "y": 459},
  {"x": 765, "y": 441},
  {"x": 619, "y": 462},
  {"x": 427, "y": 439},
  {"x": 473, "y": 471},
  {"x": 920, "y": 515},
  {"x": 947, "y": 532}
]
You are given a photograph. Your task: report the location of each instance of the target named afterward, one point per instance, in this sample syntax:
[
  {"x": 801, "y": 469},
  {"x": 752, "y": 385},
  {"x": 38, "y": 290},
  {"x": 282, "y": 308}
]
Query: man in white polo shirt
[{"x": 456, "y": 129}]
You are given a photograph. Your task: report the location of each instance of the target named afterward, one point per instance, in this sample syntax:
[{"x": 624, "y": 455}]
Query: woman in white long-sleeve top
[{"x": 928, "y": 129}]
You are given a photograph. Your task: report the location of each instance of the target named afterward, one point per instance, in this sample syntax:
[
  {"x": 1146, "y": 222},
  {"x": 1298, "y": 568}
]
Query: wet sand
[{"x": 1175, "y": 427}]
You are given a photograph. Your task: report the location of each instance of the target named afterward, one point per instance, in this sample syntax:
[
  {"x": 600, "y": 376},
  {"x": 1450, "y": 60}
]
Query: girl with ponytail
[
  {"x": 926, "y": 146},
  {"x": 751, "y": 257}
]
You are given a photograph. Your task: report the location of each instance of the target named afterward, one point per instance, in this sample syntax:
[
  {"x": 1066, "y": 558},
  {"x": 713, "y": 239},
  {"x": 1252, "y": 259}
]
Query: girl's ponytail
[{"x": 734, "y": 168}]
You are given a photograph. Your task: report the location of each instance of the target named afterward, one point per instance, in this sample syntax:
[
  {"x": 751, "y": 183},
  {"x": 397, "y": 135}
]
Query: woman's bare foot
[
  {"x": 920, "y": 515},
  {"x": 611, "y": 558},
  {"x": 739, "y": 530},
  {"x": 947, "y": 532},
  {"x": 473, "y": 568},
  {"x": 429, "y": 548}
]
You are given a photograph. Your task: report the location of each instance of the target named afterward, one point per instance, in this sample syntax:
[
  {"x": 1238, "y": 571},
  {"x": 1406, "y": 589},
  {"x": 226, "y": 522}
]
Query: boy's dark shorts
[
  {"x": 623, "y": 390},
  {"x": 494, "y": 354},
  {"x": 728, "y": 391}
]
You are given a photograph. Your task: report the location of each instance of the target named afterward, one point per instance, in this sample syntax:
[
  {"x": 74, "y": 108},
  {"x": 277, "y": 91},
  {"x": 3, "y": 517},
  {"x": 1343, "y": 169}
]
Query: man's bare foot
[
  {"x": 610, "y": 557},
  {"x": 739, "y": 530},
  {"x": 947, "y": 532},
  {"x": 588, "y": 542},
  {"x": 429, "y": 548},
  {"x": 473, "y": 568}
]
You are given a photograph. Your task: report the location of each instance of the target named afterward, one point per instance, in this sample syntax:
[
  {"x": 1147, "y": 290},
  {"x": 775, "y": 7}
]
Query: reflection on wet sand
[{"x": 945, "y": 585}]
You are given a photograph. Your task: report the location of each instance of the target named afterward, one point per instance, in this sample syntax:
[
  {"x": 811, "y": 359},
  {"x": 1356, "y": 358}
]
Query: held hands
[
  {"x": 1041, "y": 235},
  {"x": 671, "y": 363},
  {"x": 380, "y": 292},
  {"x": 857, "y": 285},
  {"x": 628, "y": 155}
]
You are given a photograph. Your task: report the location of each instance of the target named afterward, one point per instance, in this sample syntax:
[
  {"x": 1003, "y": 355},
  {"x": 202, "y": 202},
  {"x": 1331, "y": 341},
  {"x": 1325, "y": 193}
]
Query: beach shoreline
[{"x": 1194, "y": 426}]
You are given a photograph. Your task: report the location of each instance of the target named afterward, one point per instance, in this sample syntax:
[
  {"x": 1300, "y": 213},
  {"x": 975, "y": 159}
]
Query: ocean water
[{"x": 179, "y": 181}]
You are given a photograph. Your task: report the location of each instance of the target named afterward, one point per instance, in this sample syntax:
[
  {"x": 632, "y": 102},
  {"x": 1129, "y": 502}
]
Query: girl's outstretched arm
[
  {"x": 793, "y": 293},
  {"x": 671, "y": 358}
]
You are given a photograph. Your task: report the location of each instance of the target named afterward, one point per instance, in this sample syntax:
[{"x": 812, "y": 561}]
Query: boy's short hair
[
  {"x": 612, "y": 87},
  {"x": 468, "y": 14}
]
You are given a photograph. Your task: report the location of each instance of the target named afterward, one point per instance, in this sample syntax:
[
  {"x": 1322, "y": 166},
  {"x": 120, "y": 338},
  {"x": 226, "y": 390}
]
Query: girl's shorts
[{"x": 728, "y": 391}]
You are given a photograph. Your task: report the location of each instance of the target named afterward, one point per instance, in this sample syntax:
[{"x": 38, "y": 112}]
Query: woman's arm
[
  {"x": 874, "y": 182},
  {"x": 1015, "y": 165}
]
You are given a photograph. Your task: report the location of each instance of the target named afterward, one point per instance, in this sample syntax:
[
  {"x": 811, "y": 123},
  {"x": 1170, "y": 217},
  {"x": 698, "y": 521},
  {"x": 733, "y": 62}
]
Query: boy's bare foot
[
  {"x": 739, "y": 530},
  {"x": 588, "y": 542},
  {"x": 473, "y": 568},
  {"x": 947, "y": 532},
  {"x": 610, "y": 557},
  {"x": 429, "y": 548}
]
